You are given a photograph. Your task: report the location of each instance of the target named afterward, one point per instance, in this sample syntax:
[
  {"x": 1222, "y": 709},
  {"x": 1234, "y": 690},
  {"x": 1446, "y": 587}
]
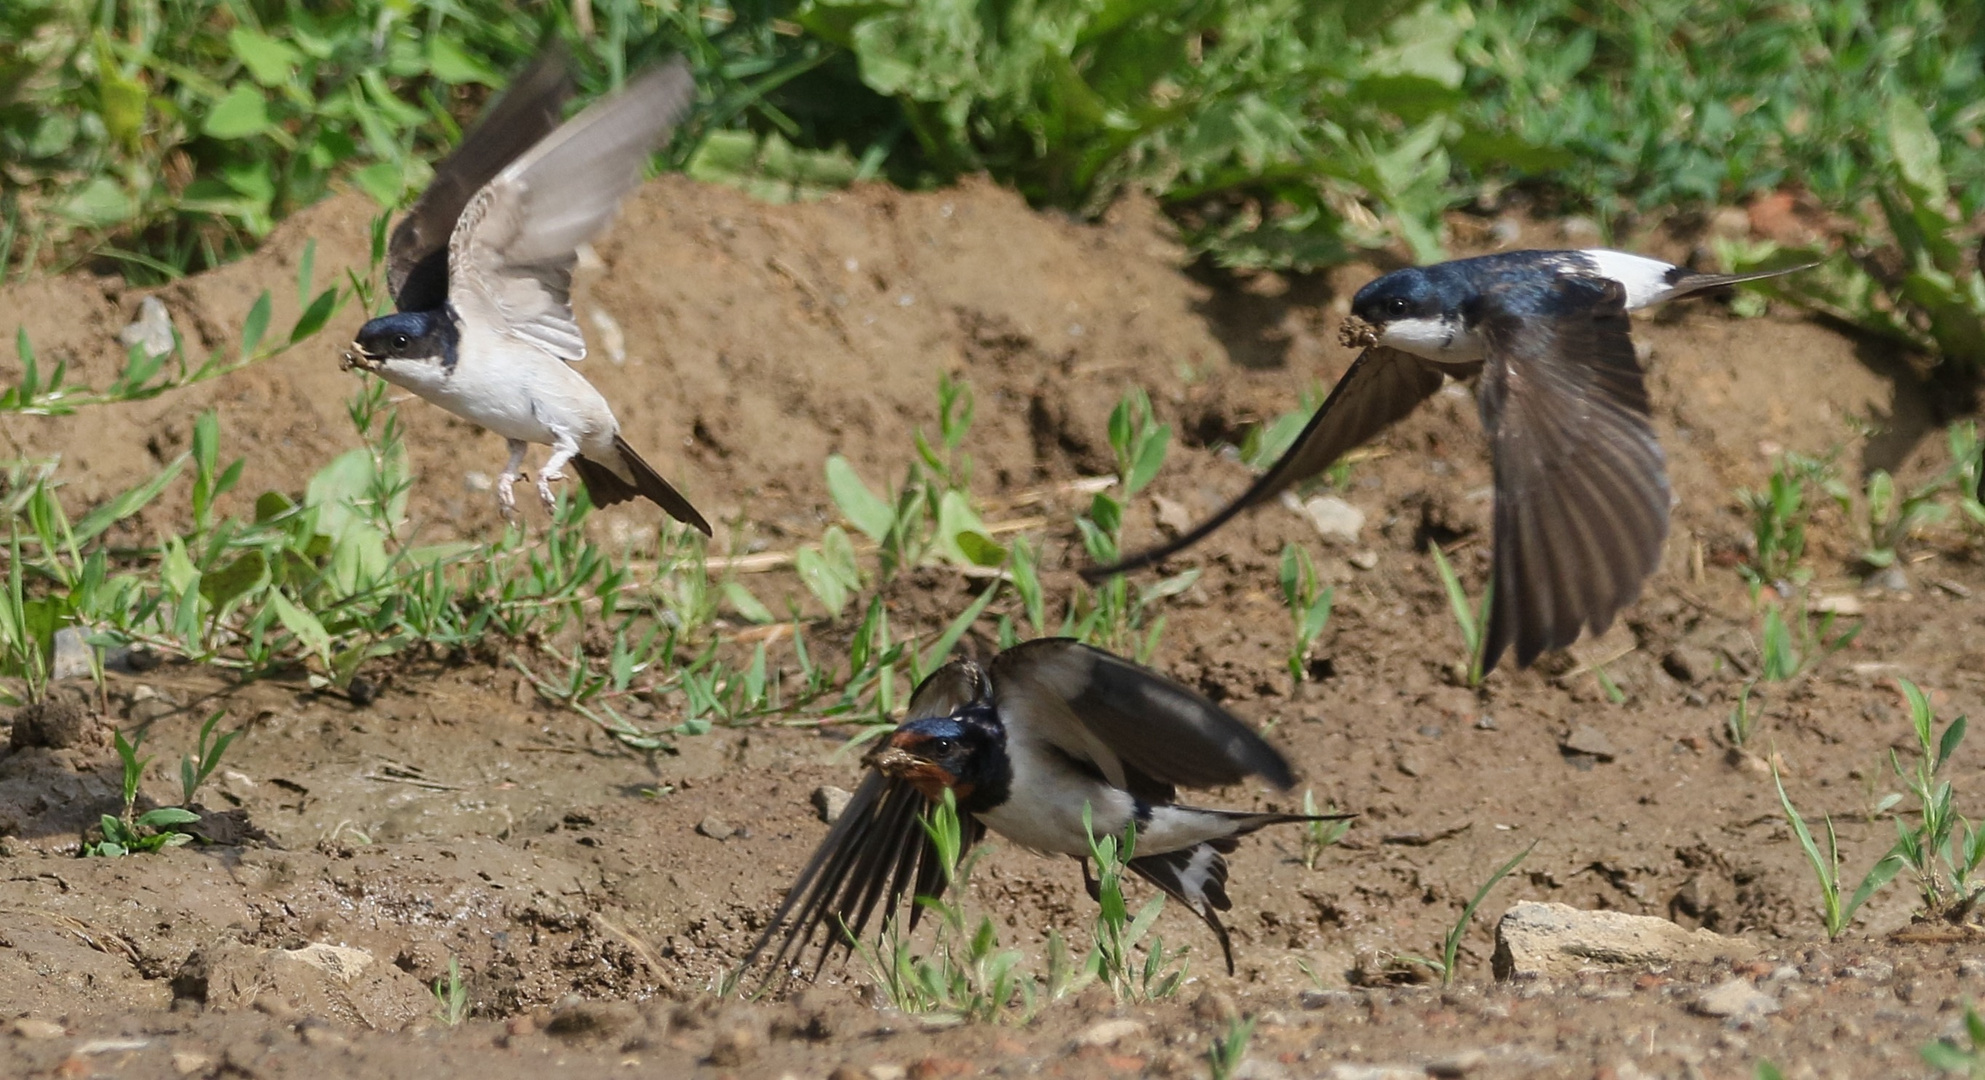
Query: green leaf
[
  {"x": 384, "y": 181},
  {"x": 315, "y": 316},
  {"x": 248, "y": 572},
  {"x": 127, "y": 503},
  {"x": 980, "y": 549},
  {"x": 242, "y": 113},
  {"x": 308, "y": 630},
  {"x": 1150, "y": 458},
  {"x": 269, "y": 62},
  {"x": 453, "y": 66},
  {"x": 858, "y": 504},
  {"x": 167, "y": 815},
  {"x": 98, "y": 204},
  {"x": 1916, "y": 152},
  {"x": 255, "y": 326},
  {"x": 746, "y": 604}
]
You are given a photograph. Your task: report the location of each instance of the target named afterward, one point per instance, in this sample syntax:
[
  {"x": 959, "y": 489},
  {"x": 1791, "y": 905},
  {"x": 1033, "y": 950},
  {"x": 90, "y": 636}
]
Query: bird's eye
[
  {"x": 401, "y": 341},
  {"x": 1397, "y": 306},
  {"x": 940, "y": 747}
]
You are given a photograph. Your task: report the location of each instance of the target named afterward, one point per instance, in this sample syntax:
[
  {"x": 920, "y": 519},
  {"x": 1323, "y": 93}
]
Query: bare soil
[{"x": 458, "y": 816}]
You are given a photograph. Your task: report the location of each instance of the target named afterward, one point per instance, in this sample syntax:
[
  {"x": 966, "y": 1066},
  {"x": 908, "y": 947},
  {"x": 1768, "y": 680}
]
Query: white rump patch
[
  {"x": 1646, "y": 280},
  {"x": 1444, "y": 339}
]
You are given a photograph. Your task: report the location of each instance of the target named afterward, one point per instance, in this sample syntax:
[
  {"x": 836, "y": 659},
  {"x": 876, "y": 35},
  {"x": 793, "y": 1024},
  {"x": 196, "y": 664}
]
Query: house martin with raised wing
[
  {"x": 1024, "y": 744},
  {"x": 1581, "y": 487},
  {"x": 481, "y": 274}
]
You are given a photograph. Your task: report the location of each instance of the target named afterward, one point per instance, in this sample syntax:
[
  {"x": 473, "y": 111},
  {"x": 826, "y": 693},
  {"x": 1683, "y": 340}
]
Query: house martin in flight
[
  {"x": 481, "y": 274},
  {"x": 1581, "y": 487},
  {"x": 1024, "y": 744}
]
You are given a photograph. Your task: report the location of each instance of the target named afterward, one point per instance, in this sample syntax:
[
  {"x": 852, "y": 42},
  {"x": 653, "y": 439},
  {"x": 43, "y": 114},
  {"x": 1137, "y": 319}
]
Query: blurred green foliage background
[{"x": 170, "y": 135}]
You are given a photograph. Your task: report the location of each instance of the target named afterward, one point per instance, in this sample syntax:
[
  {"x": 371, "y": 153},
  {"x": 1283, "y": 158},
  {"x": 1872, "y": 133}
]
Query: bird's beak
[
  {"x": 892, "y": 761},
  {"x": 925, "y": 775},
  {"x": 1356, "y": 333},
  {"x": 357, "y": 357}
]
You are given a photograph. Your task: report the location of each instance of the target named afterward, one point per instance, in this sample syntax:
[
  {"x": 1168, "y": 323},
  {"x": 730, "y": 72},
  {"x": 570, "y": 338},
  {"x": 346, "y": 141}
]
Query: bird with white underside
[
  {"x": 481, "y": 273},
  {"x": 1581, "y": 486},
  {"x": 1025, "y": 744}
]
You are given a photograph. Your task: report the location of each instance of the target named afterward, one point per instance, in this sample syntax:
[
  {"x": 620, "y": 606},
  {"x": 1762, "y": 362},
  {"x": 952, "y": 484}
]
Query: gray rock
[
  {"x": 1346, "y": 1070},
  {"x": 716, "y": 828},
  {"x": 1364, "y": 560},
  {"x": 1736, "y": 1000},
  {"x": 1109, "y": 1032},
  {"x": 1689, "y": 663},
  {"x": 72, "y": 655},
  {"x": 831, "y": 802},
  {"x": 152, "y": 329},
  {"x": 1335, "y": 519},
  {"x": 1536, "y": 940},
  {"x": 1586, "y": 739}
]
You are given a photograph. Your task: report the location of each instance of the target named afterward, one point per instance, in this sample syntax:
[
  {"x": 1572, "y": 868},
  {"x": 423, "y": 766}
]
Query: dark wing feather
[
  {"x": 876, "y": 852},
  {"x": 529, "y": 110},
  {"x": 1382, "y": 386},
  {"x": 1196, "y": 877},
  {"x": 1128, "y": 719},
  {"x": 1581, "y": 484}
]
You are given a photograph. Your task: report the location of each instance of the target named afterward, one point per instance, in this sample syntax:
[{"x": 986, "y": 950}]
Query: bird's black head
[
  {"x": 965, "y": 752},
  {"x": 1402, "y": 294},
  {"x": 405, "y": 342}
]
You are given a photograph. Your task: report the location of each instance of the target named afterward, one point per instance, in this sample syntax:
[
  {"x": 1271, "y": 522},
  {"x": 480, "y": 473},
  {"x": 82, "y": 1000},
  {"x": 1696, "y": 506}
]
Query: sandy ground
[{"x": 458, "y": 816}]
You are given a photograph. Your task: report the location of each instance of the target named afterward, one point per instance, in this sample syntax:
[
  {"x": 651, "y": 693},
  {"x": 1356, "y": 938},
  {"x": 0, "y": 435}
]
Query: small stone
[
  {"x": 1872, "y": 970},
  {"x": 1549, "y": 940},
  {"x": 1842, "y": 603},
  {"x": 340, "y": 962},
  {"x": 1891, "y": 579},
  {"x": 1215, "y": 1006},
  {"x": 845, "y": 1071},
  {"x": 520, "y": 1026},
  {"x": 1335, "y": 520},
  {"x": 151, "y": 330},
  {"x": 1586, "y": 739},
  {"x": 1364, "y": 560},
  {"x": 322, "y": 1036},
  {"x": 188, "y": 1062},
  {"x": 1409, "y": 765},
  {"x": 938, "y": 1067},
  {"x": 1347, "y": 1070},
  {"x": 831, "y": 802},
  {"x": 1689, "y": 663},
  {"x": 72, "y": 655},
  {"x": 1171, "y": 514},
  {"x": 1732, "y": 222},
  {"x": 1456, "y": 1065},
  {"x": 1109, "y": 1033},
  {"x": 1329, "y": 999},
  {"x": 887, "y": 1072},
  {"x": 27, "y": 1027},
  {"x": 715, "y": 828},
  {"x": 1485, "y": 722},
  {"x": 1736, "y": 1000},
  {"x": 1971, "y": 968}
]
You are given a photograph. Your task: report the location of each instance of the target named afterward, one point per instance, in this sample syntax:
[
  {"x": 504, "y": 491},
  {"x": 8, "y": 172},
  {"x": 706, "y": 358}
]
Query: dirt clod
[{"x": 58, "y": 722}]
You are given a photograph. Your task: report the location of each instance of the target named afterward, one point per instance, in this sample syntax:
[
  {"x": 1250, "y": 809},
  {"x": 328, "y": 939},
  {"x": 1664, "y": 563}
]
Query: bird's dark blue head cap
[
  {"x": 409, "y": 335},
  {"x": 965, "y": 751},
  {"x": 1402, "y": 294}
]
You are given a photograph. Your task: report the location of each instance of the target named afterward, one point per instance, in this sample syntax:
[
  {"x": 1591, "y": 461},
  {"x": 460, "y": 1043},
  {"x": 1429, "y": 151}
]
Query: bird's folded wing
[
  {"x": 876, "y": 852},
  {"x": 417, "y": 255},
  {"x": 1382, "y": 386},
  {"x": 1581, "y": 486},
  {"x": 947, "y": 690},
  {"x": 1137, "y": 727},
  {"x": 511, "y": 254}
]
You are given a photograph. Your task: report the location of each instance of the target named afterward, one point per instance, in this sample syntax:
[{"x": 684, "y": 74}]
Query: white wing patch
[{"x": 1647, "y": 281}]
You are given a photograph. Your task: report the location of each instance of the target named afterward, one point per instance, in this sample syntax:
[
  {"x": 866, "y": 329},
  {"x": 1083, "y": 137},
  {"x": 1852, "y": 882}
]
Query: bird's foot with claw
[
  {"x": 545, "y": 480},
  {"x": 506, "y": 495}
]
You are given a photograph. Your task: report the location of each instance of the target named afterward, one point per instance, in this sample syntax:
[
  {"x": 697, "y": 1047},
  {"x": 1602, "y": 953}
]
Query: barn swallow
[
  {"x": 481, "y": 274},
  {"x": 1581, "y": 504},
  {"x": 1024, "y": 745}
]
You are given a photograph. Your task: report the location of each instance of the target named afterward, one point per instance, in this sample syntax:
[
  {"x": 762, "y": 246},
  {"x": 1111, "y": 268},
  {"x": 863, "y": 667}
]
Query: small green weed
[
  {"x": 1451, "y": 944},
  {"x": 1319, "y": 836},
  {"x": 1945, "y": 849},
  {"x": 154, "y": 830},
  {"x": 1779, "y": 514},
  {"x": 1472, "y": 620},
  {"x": 1826, "y": 867},
  {"x": 1224, "y": 1057},
  {"x": 1110, "y": 614},
  {"x": 1743, "y": 722},
  {"x": 451, "y": 996},
  {"x": 1118, "y": 935},
  {"x": 1787, "y": 650},
  {"x": 1309, "y": 605},
  {"x": 1968, "y": 1061}
]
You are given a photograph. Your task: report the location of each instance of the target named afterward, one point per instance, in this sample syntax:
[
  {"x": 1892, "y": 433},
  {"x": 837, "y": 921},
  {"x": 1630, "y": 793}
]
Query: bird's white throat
[{"x": 1442, "y": 338}]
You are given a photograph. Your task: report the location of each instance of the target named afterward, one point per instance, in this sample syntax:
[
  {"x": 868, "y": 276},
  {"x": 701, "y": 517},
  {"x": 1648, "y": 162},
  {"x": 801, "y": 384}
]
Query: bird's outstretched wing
[
  {"x": 876, "y": 852},
  {"x": 1142, "y": 731},
  {"x": 1581, "y": 484},
  {"x": 1382, "y": 386},
  {"x": 512, "y": 252},
  {"x": 529, "y": 110}
]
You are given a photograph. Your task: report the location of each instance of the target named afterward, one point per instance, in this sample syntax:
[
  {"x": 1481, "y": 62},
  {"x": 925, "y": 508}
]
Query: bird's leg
[
  {"x": 562, "y": 451},
  {"x": 1090, "y": 883},
  {"x": 506, "y": 496}
]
